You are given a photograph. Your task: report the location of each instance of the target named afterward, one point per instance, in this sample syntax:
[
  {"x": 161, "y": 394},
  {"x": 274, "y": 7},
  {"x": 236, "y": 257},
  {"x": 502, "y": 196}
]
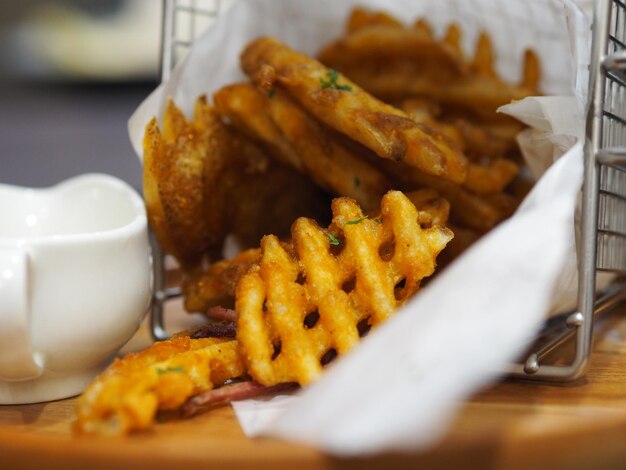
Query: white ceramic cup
[{"x": 75, "y": 283}]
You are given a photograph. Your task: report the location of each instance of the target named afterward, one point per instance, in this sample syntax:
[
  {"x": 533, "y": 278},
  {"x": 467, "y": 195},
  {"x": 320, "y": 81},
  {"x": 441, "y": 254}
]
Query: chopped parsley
[
  {"x": 271, "y": 93},
  {"x": 378, "y": 220},
  {"x": 333, "y": 77},
  {"x": 356, "y": 221},
  {"x": 161, "y": 371},
  {"x": 357, "y": 181},
  {"x": 333, "y": 240}
]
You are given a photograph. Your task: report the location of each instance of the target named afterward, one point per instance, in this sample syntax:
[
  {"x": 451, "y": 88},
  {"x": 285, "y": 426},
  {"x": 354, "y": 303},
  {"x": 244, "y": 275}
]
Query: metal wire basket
[{"x": 602, "y": 243}]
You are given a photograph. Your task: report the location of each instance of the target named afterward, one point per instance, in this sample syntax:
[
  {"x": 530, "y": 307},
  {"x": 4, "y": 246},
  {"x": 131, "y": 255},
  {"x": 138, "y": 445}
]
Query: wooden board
[{"x": 510, "y": 425}]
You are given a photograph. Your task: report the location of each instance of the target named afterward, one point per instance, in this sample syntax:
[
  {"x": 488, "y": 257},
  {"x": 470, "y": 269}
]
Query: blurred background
[{"x": 71, "y": 74}]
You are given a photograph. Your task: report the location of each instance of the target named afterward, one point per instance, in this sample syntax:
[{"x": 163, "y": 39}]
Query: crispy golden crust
[
  {"x": 292, "y": 135},
  {"x": 344, "y": 106},
  {"x": 178, "y": 173},
  {"x": 394, "y": 62},
  {"x": 128, "y": 394},
  {"x": 216, "y": 285},
  {"x": 378, "y": 266},
  {"x": 203, "y": 181}
]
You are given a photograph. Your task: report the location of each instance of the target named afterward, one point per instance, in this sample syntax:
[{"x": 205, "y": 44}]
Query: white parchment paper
[{"x": 400, "y": 387}]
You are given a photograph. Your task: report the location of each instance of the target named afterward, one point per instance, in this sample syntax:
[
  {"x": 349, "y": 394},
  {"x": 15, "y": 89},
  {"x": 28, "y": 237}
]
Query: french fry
[
  {"x": 377, "y": 266},
  {"x": 344, "y": 106},
  {"x": 490, "y": 178},
  {"x": 394, "y": 62},
  {"x": 304, "y": 140},
  {"x": 389, "y": 43},
  {"x": 176, "y": 180},
  {"x": 477, "y": 212},
  {"x": 128, "y": 394},
  {"x": 203, "y": 181},
  {"x": 361, "y": 18},
  {"x": 215, "y": 286}
]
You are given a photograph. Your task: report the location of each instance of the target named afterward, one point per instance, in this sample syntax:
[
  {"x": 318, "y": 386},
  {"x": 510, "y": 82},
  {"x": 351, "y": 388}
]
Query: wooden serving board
[{"x": 511, "y": 425}]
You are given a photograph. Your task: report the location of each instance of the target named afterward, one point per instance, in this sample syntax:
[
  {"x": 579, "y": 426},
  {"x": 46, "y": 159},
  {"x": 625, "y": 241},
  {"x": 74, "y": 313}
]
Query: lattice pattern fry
[
  {"x": 128, "y": 394},
  {"x": 306, "y": 300}
]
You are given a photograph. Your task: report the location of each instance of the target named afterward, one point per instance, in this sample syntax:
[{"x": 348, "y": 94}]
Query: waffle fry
[
  {"x": 474, "y": 85},
  {"x": 384, "y": 42},
  {"x": 474, "y": 211},
  {"x": 174, "y": 170},
  {"x": 128, "y": 394},
  {"x": 361, "y": 18},
  {"x": 345, "y": 107},
  {"x": 215, "y": 285},
  {"x": 378, "y": 267},
  {"x": 203, "y": 181},
  {"x": 295, "y": 137}
]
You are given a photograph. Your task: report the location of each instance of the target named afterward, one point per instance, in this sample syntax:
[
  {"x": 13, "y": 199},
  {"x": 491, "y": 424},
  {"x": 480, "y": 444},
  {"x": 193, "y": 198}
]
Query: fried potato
[
  {"x": 177, "y": 178},
  {"x": 127, "y": 395},
  {"x": 382, "y": 42},
  {"x": 360, "y": 18},
  {"x": 477, "y": 212},
  {"x": 287, "y": 130},
  {"x": 432, "y": 209},
  {"x": 426, "y": 112},
  {"x": 203, "y": 181},
  {"x": 344, "y": 106},
  {"x": 394, "y": 62},
  {"x": 246, "y": 109},
  {"x": 492, "y": 177},
  {"x": 295, "y": 307},
  {"x": 215, "y": 286},
  {"x": 397, "y": 80}
]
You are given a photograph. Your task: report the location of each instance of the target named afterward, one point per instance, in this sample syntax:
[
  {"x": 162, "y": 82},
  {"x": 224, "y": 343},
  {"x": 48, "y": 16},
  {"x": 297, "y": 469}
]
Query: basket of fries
[{"x": 362, "y": 169}]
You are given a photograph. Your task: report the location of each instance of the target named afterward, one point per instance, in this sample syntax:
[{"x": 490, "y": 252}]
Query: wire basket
[{"x": 602, "y": 241}]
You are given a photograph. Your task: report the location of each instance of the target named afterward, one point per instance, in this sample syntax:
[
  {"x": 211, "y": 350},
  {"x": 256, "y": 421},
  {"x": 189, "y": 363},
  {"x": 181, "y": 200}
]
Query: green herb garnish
[
  {"x": 333, "y": 240},
  {"x": 333, "y": 76},
  {"x": 378, "y": 220},
  {"x": 271, "y": 93},
  {"x": 356, "y": 221},
  {"x": 357, "y": 182},
  {"x": 161, "y": 371}
]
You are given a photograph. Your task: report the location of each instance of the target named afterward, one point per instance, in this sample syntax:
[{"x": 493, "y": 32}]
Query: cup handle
[{"x": 17, "y": 359}]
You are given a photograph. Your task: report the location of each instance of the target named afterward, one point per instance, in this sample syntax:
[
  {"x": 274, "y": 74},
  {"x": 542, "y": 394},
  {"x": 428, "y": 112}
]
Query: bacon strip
[
  {"x": 228, "y": 393},
  {"x": 223, "y": 329},
  {"x": 221, "y": 313}
]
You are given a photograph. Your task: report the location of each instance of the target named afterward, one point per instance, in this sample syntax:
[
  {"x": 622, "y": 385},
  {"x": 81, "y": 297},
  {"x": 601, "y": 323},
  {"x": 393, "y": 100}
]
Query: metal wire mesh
[
  {"x": 611, "y": 249},
  {"x": 183, "y": 21}
]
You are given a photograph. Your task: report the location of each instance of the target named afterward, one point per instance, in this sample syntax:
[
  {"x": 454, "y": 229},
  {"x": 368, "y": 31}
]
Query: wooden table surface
[{"x": 510, "y": 425}]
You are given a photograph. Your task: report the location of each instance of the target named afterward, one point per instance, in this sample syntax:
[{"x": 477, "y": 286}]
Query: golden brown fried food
[
  {"x": 178, "y": 175},
  {"x": 245, "y": 108},
  {"x": 394, "y": 62},
  {"x": 360, "y": 18},
  {"x": 296, "y": 306},
  {"x": 432, "y": 209},
  {"x": 477, "y": 212},
  {"x": 492, "y": 177},
  {"x": 215, "y": 286},
  {"x": 344, "y": 106},
  {"x": 384, "y": 43},
  {"x": 425, "y": 112},
  {"x": 295, "y": 137},
  {"x": 128, "y": 394},
  {"x": 203, "y": 181}
]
